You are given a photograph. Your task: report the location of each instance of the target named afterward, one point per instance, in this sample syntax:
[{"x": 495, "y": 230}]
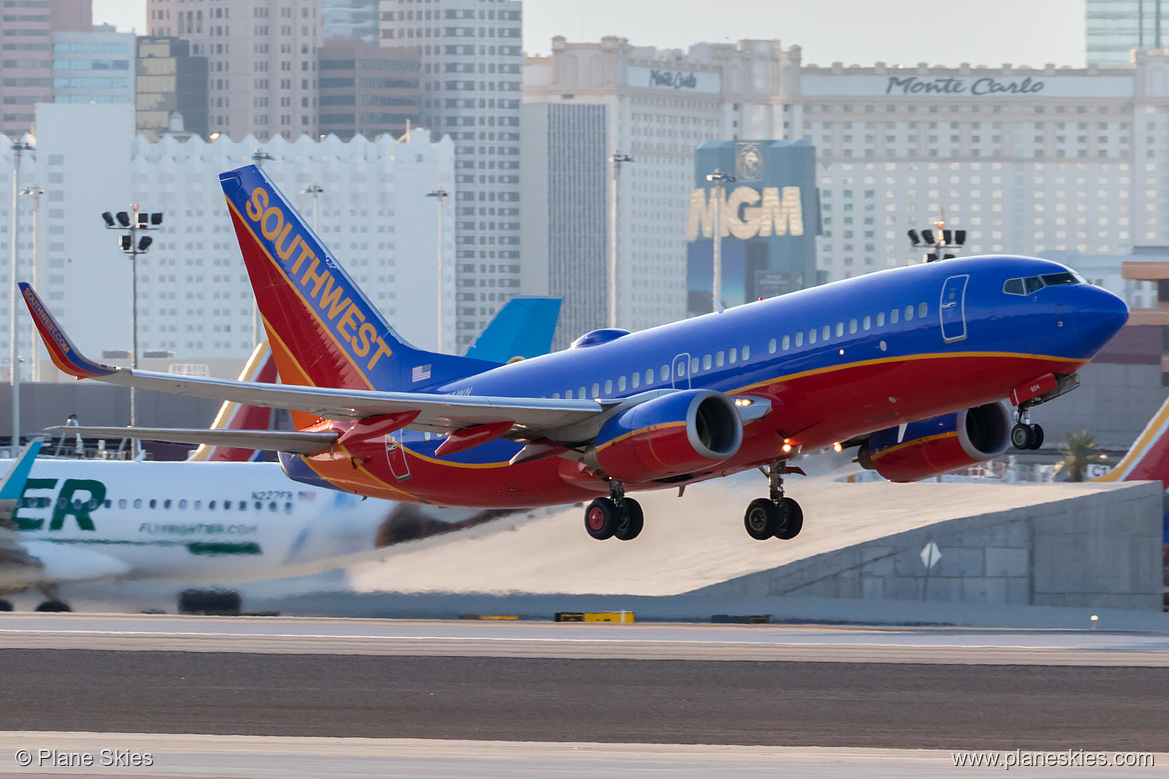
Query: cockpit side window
[
  {"x": 1032, "y": 284},
  {"x": 1013, "y": 287}
]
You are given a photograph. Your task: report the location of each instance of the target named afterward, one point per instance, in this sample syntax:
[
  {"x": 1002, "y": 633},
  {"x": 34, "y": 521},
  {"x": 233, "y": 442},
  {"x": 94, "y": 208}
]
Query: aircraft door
[
  {"x": 680, "y": 371},
  {"x": 953, "y": 308},
  {"x": 396, "y": 457}
]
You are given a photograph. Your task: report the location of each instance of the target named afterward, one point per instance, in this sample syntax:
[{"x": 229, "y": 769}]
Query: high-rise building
[
  {"x": 26, "y": 55},
  {"x": 195, "y": 300},
  {"x": 169, "y": 79},
  {"x": 366, "y": 89},
  {"x": 660, "y": 106},
  {"x": 471, "y": 87},
  {"x": 565, "y": 247},
  {"x": 262, "y": 61},
  {"x": 1115, "y": 27},
  {"x": 353, "y": 19},
  {"x": 94, "y": 67}
]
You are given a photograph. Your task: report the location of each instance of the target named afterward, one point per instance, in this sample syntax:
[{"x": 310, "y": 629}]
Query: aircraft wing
[
  {"x": 295, "y": 442},
  {"x": 531, "y": 417}
]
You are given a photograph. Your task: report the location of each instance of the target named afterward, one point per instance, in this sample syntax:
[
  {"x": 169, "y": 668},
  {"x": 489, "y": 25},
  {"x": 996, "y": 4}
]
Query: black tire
[
  {"x": 1021, "y": 437},
  {"x": 5, "y": 605},
  {"x": 601, "y": 518},
  {"x": 54, "y": 606},
  {"x": 631, "y": 524},
  {"x": 761, "y": 519},
  {"x": 221, "y": 603},
  {"x": 1036, "y": 436},
  {"x": 794, "y": 515}
]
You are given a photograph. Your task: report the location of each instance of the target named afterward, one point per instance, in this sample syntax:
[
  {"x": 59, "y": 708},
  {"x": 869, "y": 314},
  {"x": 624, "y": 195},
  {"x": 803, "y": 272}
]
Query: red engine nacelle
[
  {"x": 939, "y": 445},
  {"x": 668, "y": 436}
]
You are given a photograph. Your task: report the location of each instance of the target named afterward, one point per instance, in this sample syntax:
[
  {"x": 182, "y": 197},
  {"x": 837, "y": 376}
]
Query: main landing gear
[
  {"x": 615, "y": 516},
  {"x": 1025, "y": 435},
  {"x": 775, "y": 516}
]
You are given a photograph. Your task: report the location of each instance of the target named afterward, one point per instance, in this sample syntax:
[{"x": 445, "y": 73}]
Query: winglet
[
  {"x": 12, "y": 485},
  {"x": 62, "y": 351}
]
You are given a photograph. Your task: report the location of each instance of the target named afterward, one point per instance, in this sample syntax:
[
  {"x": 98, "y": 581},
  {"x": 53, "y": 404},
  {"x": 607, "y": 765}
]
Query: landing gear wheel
[
  {"x": 5, "y": 605},
  {"x": 1036, "y": 437},
  {"x": 1021, "y": 436},
  {"x": 762, "y": 519},
  {"x": 601, "y": 518},
  {"x": 54, "y": 606},
  {"x": 794, "y": 515},
  {"x": 630, "y": 524}
]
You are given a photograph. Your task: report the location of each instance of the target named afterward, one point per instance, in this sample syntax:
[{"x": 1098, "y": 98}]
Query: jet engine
[
  {"x": 669, "y": 435},
  {"x": 939, "y": 445}
]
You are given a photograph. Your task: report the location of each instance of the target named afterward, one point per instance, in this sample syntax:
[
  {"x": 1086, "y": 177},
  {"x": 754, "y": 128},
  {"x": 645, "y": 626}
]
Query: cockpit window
[{"x": 1031, "y": 284}]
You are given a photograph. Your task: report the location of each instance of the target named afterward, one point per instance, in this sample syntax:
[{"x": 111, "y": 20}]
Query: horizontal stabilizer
[{"x": 290, "y": 441}]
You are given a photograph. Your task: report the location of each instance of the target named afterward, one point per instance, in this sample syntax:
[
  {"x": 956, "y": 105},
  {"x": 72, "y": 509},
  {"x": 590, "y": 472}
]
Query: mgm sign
[
  {"x": 747, "y": 213},
  {"x": 769, "y": 220}
]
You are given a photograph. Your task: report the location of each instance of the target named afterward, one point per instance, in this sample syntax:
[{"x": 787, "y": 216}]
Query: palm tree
[{"x": 1079, "y": 450}]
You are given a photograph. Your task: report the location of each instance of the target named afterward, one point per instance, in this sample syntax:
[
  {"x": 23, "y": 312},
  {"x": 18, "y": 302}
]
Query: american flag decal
[{"x": 420, "y": 373}]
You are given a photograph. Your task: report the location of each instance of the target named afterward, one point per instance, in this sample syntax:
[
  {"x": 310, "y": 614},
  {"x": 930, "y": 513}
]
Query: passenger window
[
  {"x": 108, "y": 504},
  {"x": 706, "y": 362},
  {"x": 826, "y": 332},
  {"x": 153, "y": 503},
  {"x": 839, "y": 329},
  {"x": 620, "y": 383},
  {"x": 851, "y": 326},
  {"x": 596, "y": 390},
  {"x": 198, "y": 505},
  {"x": 211, "y": 505},
  {"x": 166, "y": 504},
  {"x": 881, "y": 319},
  {"x": 867, "y": 323},
  {"x": 800, "y": 339},
  {"x": 894, "y": 316},
  {"x": 922, "y": 310},
  {"x": 636, "y": 380},
  {"x": 226, "y": 504},
  {"x": 718, "y": 359},
  {"x": 664, "y": 372},
  {"x": 812, "y": 336},
  {"x": 747, "y": 352},
  {"x": 787, "y": 342},
  {"x": 182, "y": 504},
  {"x": 122, "y": 503},
  {"x": 771, "y": 346},
  {"x": 580, "y": 393},
  {"x": 649, "y": 376},
  {"x": 909, "y": 313},
  {"x": 138, "y": 503},
  {"x": 733, "y": 357},
  {"x": 693, "y": 365},
  {"x": 608, "y": 387},
  {"x": 681, "y": 369},
  {"x": 555, "y": 396},
  {"x": 271, "y": 506},
  {"x": 568, "y": 394},
  {"x": 1013, "y": 286},
  {"x": 259, "y": 505}
]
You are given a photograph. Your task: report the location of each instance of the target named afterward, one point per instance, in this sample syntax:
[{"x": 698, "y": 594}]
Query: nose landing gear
[
  {"x": 615, "y": 516},
  {"x": 1025, "y": 435},
  {"x": 775, "y": 516}
]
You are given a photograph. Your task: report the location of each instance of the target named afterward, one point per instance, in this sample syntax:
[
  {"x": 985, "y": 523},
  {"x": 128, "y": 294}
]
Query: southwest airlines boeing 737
[{"x": 913, "y": 365}]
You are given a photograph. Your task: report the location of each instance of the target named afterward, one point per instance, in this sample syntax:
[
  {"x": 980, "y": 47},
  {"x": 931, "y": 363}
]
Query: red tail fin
[
  {"x": 236, "y": 416},
  {"x": 1148, "y": 459}
]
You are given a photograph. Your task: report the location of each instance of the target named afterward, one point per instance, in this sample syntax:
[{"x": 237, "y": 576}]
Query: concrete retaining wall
[{"x": 1100, "y": 550}]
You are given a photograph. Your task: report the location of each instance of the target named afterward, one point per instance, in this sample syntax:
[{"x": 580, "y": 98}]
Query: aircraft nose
[{"x": 1100, "y": 316}]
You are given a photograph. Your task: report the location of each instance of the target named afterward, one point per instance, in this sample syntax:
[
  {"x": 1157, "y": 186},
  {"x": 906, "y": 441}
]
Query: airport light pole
[
  {"x": 720, "y": 180},
  {"x": 315, "y": 190},
  {"x": 35, "y": 193},
  {"x": 440, "y": 195},
  {"x": 130, "y": 224},
  {"x": 259, "y": 157},
  {"x": 616, "y": 159},
  {"x": 13, "y": 306}
]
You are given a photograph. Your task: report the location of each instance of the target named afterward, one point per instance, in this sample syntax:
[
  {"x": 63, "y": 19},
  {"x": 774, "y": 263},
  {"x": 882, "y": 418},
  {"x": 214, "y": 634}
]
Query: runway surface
[
  {"x": 263, "y": 757},
  {"x": 647, "y": 641},
  {"x": 766, "y": 685}
]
